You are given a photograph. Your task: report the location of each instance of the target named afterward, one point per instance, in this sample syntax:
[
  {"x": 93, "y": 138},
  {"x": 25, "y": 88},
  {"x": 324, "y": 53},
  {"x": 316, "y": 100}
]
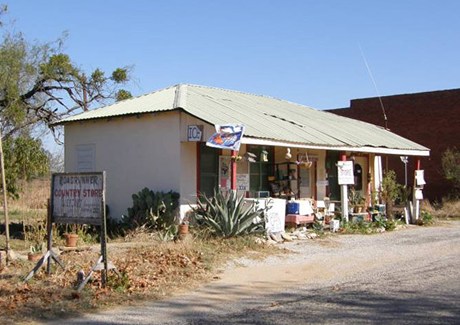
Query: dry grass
[
  {"x": 32, "y": 202},
  {"x": 150, "y": 270},
  {"x": 448, "y": 209},
  {"x": 34, "y": 195}
]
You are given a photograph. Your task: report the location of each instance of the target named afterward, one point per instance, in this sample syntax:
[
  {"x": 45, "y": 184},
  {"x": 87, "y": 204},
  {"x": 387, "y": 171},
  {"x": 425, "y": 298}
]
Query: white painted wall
[{"x": 135, "y": 152}]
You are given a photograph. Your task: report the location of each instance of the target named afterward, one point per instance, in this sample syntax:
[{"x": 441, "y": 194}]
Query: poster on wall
[
  {"x": 224, "y": 172},
  {"x": 242, "y": 182},
  {"x": 345, "y": 173}
]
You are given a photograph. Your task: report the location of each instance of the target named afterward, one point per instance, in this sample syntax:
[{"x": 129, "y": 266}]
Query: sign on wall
[
  {"x": 242, "y": 182},
  {"x": 345, "y": 173},
  {"x": 78, "y": 198},
  {"x": 195, "y": 133}
]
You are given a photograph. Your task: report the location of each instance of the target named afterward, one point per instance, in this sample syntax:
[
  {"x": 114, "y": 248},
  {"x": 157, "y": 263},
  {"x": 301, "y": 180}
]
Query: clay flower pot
[
  {"x": 71, "y": 240},
  {"x": 183, "y": 229},
  {"x": 34, "y": 257}
]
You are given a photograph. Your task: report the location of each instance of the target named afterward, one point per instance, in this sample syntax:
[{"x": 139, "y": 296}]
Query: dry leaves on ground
[{"x": 146, "y": 272}]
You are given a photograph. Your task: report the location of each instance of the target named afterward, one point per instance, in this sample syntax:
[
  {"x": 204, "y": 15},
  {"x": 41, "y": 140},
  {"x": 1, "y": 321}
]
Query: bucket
[{"x": 334, "y": 225}]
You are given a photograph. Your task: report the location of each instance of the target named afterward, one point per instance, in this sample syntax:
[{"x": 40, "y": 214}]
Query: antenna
[{"x": 375, "y": 86}]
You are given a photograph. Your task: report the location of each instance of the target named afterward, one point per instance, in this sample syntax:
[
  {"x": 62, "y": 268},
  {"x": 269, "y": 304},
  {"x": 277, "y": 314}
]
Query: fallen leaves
[{"x": 149, "y": 271}]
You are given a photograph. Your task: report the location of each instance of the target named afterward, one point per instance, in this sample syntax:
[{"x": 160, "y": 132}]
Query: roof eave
[{"x": 364, "y": 149}]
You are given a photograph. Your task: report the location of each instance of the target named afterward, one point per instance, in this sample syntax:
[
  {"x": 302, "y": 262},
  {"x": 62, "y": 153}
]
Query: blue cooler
[{"x": 292, "y": 208}]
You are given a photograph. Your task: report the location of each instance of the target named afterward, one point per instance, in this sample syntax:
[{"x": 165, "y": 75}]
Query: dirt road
[{"x": 411, "y": 276}]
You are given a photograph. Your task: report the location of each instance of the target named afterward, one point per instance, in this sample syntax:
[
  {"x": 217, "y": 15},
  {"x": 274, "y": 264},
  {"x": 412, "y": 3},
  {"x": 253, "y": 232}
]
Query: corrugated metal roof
[{"x": 264, "y": 118}]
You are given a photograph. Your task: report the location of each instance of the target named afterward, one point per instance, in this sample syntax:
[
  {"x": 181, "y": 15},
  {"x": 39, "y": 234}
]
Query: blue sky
[{"x": 302, "y": 51}]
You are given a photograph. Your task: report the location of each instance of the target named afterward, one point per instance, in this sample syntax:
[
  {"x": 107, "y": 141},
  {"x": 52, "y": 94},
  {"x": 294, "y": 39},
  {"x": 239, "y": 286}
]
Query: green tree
[
  {"x": 39, "y": 85},
  {"x": 450, "y": 161},
  {"x": 24, "y": 158}
]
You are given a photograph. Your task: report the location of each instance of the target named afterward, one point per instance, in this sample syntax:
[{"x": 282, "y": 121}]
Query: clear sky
[{"x": 308, "y": 52}]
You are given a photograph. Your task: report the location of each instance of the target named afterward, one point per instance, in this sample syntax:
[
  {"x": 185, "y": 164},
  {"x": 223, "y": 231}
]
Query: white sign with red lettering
[{"x": 78, "y": 198}]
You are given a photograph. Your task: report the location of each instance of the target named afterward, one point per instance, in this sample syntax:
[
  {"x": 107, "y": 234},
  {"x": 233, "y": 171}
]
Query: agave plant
[{"x": 228, "y": 215}]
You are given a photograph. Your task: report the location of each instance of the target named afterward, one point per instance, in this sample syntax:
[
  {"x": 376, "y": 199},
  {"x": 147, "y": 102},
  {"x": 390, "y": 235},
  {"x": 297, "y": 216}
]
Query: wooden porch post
[{"x": 233, "y": 171}]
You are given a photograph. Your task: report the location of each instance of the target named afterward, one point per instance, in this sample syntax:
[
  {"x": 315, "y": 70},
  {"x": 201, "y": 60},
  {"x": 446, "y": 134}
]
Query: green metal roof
[{"x": 265, "y": 118}]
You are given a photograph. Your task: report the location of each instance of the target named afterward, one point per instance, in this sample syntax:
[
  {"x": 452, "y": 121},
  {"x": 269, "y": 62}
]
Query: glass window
[{"x": 260, "y": 170}]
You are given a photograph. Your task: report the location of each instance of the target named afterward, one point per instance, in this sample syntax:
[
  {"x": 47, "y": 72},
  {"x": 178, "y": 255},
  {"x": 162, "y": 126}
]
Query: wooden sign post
[{"x": 78, "y": 198}]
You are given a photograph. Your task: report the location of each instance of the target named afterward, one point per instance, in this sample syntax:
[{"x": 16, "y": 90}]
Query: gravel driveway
[{"x": 410, "y": 276}]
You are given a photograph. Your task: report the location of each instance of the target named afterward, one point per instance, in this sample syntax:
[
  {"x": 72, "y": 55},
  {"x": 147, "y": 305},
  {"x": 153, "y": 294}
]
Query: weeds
[
  {"x": 363, "y": 227},
  {"x": 426, "y": 218}
]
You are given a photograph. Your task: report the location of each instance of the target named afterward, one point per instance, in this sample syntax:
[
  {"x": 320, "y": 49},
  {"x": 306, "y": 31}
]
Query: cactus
[{"x": 155, "y": 210}]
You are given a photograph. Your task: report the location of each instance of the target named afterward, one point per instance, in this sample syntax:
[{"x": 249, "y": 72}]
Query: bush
[
  {"x": 426, "y": 218},
  {"x": 450, "y": 161},
  {"x": 228, "y": 215},
  {"x": 391, "y": 190}
]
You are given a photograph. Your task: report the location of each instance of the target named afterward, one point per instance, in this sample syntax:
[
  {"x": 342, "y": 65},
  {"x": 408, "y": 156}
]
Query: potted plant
[
  {"x": 356, "y": 201},
  {"x": 184, "y": 225},
  {"x": 35, "y": 252},
  {"x": 71, "y": 238}
]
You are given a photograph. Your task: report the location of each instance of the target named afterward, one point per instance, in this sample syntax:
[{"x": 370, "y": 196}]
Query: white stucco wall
[{"x": 136, "y": 152}]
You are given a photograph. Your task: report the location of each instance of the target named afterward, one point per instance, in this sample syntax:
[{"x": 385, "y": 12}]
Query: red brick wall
[{"x": 431, "y": 119}]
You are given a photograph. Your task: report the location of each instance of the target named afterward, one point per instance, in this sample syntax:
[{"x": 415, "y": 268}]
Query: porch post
[
  {"x": 233, "y": 171},
  {"x": 344, "y": 194}
]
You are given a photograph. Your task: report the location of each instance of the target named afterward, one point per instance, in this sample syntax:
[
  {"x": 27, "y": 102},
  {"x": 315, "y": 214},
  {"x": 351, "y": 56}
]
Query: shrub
[
  {"x": 391, "y": 190},
  {"x": 426, "y": 218},
  {"x": 228, "y": 215},
  {"x": 450, "y": 161}
]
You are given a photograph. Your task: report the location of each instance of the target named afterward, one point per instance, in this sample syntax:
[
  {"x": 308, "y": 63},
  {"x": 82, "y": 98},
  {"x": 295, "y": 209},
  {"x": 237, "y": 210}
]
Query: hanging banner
[{"x": 227, "y": 136}]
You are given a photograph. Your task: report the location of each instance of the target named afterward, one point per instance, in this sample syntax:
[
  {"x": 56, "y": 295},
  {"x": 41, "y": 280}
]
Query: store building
[{"x": 288, "y": 150}]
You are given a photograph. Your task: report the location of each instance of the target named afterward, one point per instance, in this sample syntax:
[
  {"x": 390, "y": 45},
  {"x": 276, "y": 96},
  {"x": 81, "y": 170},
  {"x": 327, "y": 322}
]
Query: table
[{"x": 298, "y": 219}]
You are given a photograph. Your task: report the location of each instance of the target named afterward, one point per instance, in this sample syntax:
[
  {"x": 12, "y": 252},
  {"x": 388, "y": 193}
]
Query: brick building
[{"x": 431, "y": 119}]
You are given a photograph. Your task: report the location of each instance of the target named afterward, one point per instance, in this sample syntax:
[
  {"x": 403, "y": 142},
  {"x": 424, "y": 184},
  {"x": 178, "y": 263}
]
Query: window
[
  {"x": 260, "y": 170},
  {"x": 86, "y": 157},
  {"x": 358, "y": 174}
]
